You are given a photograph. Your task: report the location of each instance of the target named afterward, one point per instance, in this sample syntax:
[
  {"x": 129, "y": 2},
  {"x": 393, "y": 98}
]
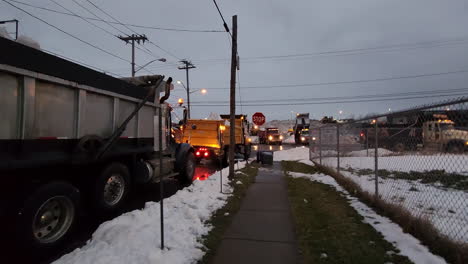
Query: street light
[
  {"x": 141, "y": 67},
  {"x": 203, "y": 91}
]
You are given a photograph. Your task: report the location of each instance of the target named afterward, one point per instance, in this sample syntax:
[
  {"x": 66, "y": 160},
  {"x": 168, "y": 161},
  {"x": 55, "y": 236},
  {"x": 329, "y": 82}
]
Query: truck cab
[
  {"x": 443, "y": 135},
  {"x": 273, "y": 136},
  {"x": 305, "y": 136}
]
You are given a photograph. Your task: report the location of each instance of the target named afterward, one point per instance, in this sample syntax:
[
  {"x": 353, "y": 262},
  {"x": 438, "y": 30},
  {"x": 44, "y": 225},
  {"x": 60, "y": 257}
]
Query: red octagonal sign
[{"x": 258, "y": 119}]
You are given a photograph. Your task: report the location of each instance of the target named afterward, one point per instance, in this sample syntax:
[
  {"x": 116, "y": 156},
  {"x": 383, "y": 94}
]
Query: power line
[
  {"x": 337, "y": 102},
  {"x": 66, "y": 33},
  {"x": 116, "y": 20},
  {"x": 80, "y": 62},
  {"x": 128, "y": 24},
  {"x": 350, "y": 97},
  {"x": 344, "y": 82},
  {"x": 346, "y": 52}
]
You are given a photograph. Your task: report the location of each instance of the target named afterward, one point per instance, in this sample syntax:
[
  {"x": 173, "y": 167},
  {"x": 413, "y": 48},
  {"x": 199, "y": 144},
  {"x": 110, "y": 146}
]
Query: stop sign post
[{"x": 258, "y": 119}]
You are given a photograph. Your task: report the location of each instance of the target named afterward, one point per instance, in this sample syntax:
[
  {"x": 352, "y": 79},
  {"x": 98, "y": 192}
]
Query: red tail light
[
  {"x": 206, "y": 154},
  {"x": 362, "y": 134},
  {"x": 198, "y": 153}
]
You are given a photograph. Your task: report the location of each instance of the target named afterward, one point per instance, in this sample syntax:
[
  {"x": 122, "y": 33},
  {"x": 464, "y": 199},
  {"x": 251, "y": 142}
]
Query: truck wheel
[
  {"x": 188, "y": 169},
  {"x": 48, "y": 217},
  {"x": 111, "y": 188},
  {"x": 455, "y": 147}
]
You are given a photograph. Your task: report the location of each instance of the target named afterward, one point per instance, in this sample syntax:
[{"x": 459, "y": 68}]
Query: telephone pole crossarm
[{"x": 131, "y": 39}]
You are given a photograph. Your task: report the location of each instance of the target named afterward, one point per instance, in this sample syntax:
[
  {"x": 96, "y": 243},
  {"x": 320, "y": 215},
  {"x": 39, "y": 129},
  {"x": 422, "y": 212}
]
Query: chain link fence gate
[{"x": 415, "y": 159}]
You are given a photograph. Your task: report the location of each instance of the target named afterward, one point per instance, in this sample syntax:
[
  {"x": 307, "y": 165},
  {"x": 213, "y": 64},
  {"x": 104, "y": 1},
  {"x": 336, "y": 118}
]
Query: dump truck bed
[{"x": 203, "y": 133}]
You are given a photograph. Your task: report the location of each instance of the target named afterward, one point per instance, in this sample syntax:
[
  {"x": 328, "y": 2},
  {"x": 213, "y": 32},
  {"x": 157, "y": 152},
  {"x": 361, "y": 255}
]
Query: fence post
[
  {"x": 161, "y": 183},
  {"x": 338, "y": 148},
  {"x": 320, "y": 144},
  {"x": 376, "y": 157},
  {"x": 367, "y": 142}
]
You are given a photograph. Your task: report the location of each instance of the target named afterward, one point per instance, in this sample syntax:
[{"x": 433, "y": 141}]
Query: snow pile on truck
[{"x": 135, "y": 236}]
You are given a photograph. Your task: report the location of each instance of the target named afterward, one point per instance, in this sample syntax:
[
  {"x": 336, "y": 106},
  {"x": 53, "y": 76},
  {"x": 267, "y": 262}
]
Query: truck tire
[
  {"x": 188, "y": 169},
  {"x": 48, "y": 217},
  {"x": 455, "y": 147},
  {"x": 111, "y": 188}
]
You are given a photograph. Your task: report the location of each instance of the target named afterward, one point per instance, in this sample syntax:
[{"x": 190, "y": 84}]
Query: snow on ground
[
  {"x": 289, "y": 140},
  {"x": 406, "y": 163},
  {"x": 369, "y": 153},
  {"x": 254, "y": 139},
  {"x": 407, "y": 244},
  {"x": 134, "y": 237},
  {"x": 299, "y": 153},
  {"x": 446, "y": 208},
  {"x": 444, "y": 205}
]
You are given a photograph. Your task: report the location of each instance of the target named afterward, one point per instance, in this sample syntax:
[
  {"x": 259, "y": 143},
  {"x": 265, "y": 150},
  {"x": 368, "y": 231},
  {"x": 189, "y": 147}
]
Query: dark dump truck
[
  {"x": 74, "y": 139},
  {"x": 302, "y": 122}
]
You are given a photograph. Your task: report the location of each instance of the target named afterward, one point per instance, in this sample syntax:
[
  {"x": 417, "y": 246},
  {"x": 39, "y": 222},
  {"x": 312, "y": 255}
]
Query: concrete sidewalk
[{"x": 262, "y": 231}]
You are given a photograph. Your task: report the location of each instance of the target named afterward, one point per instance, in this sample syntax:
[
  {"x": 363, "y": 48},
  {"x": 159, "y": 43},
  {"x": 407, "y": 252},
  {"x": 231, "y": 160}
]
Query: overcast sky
[{"x": 423, "y": 37}]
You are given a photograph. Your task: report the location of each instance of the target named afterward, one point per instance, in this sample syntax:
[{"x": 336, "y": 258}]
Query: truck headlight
[
  {"x": 249, "y": 140},
  {"x": 313, "y": 138},
  {"x": 270, "y": 137},
  {"x": 281, "y": 137},
  {"x": 303, "y": 138}
]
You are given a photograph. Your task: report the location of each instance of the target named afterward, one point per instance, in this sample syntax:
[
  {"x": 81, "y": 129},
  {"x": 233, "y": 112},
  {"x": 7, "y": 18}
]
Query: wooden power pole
[
  {"x": 187, "y": 66},
  {"x": 232, "y": 139},
  {"x": 131, "y": 39}
]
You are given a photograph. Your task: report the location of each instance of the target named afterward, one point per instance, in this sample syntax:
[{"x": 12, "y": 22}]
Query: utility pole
[
  {"x": 187, "y": 66},
  {"x": 232, "y": 139},
  {"x": 131, "y": 39}
]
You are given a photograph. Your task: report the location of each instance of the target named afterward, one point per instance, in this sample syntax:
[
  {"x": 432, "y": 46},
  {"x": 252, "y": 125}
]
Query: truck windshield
[
  {"x": 272, "y": 131},
  {"x": 305, "y": 132}
]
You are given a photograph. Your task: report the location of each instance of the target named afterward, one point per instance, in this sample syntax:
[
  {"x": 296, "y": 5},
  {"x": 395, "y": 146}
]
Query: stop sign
[{"x": 258, "y": 119}]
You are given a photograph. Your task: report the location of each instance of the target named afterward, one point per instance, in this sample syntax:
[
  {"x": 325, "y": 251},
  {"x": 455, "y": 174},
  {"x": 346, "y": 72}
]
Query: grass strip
[
  {"x": 222, "y": 218},
  {"x": 329, "y": 230}
]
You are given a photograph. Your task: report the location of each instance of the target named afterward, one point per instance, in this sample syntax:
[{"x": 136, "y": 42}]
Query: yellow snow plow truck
[
  {"x": 243, "y": 144},
  {"x": 206, "y": 137}
]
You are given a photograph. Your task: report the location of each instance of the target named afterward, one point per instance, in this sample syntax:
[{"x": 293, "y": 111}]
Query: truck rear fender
[{"x": 181, "y": 153}]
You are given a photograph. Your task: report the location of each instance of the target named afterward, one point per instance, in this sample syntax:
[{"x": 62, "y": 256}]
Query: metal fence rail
[{"x": 416, "y": 159}]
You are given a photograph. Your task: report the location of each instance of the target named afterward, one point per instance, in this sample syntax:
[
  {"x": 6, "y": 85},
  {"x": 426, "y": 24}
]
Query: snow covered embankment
[
  {"x": 134, "y": 237},
  {"x": 407, "y": 244}
]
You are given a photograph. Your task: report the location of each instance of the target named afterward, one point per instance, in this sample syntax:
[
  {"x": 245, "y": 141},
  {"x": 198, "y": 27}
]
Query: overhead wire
[
  {"x": 345, "y": 82},
  {"x": 128, "y": 24},
  {"x": 116, "y": 20},
  {"x": 67, "y": 33},
  {"x": 426, "y": 92},
  {"x": 336, "y": 102}
]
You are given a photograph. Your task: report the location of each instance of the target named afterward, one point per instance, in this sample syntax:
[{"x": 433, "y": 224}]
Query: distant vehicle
[
  {"x": 430, "y": 132},
  {"x": 254, "y": 130},
  {"x": 272, "y": 136},
  {"x": 206, "y": 137},
  {"x": 74, "y": 138},
  {"x": 302, "y": 122},
  {"x": 243, "y": 141},
  {"x": 305, "y": 136}
]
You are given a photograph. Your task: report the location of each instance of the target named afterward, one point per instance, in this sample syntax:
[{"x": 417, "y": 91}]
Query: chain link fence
[{"x": 415, "y": 159}]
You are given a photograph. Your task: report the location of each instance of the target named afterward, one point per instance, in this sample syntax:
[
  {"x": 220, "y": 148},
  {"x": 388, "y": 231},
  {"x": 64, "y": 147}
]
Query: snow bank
[
  {"x": 214, "y": 116},
  {"x": 27, "y": 41},
  {"x": 299, "y": 153},
  {"x": 364, "y": 153},
  {"x": 254, "y": 139},
  {"x": 406, "y": 243},
  {"x": 289, "y": 140},
  {"x": 406, "y": 163},
  {"x": 134, "y": 237}
]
